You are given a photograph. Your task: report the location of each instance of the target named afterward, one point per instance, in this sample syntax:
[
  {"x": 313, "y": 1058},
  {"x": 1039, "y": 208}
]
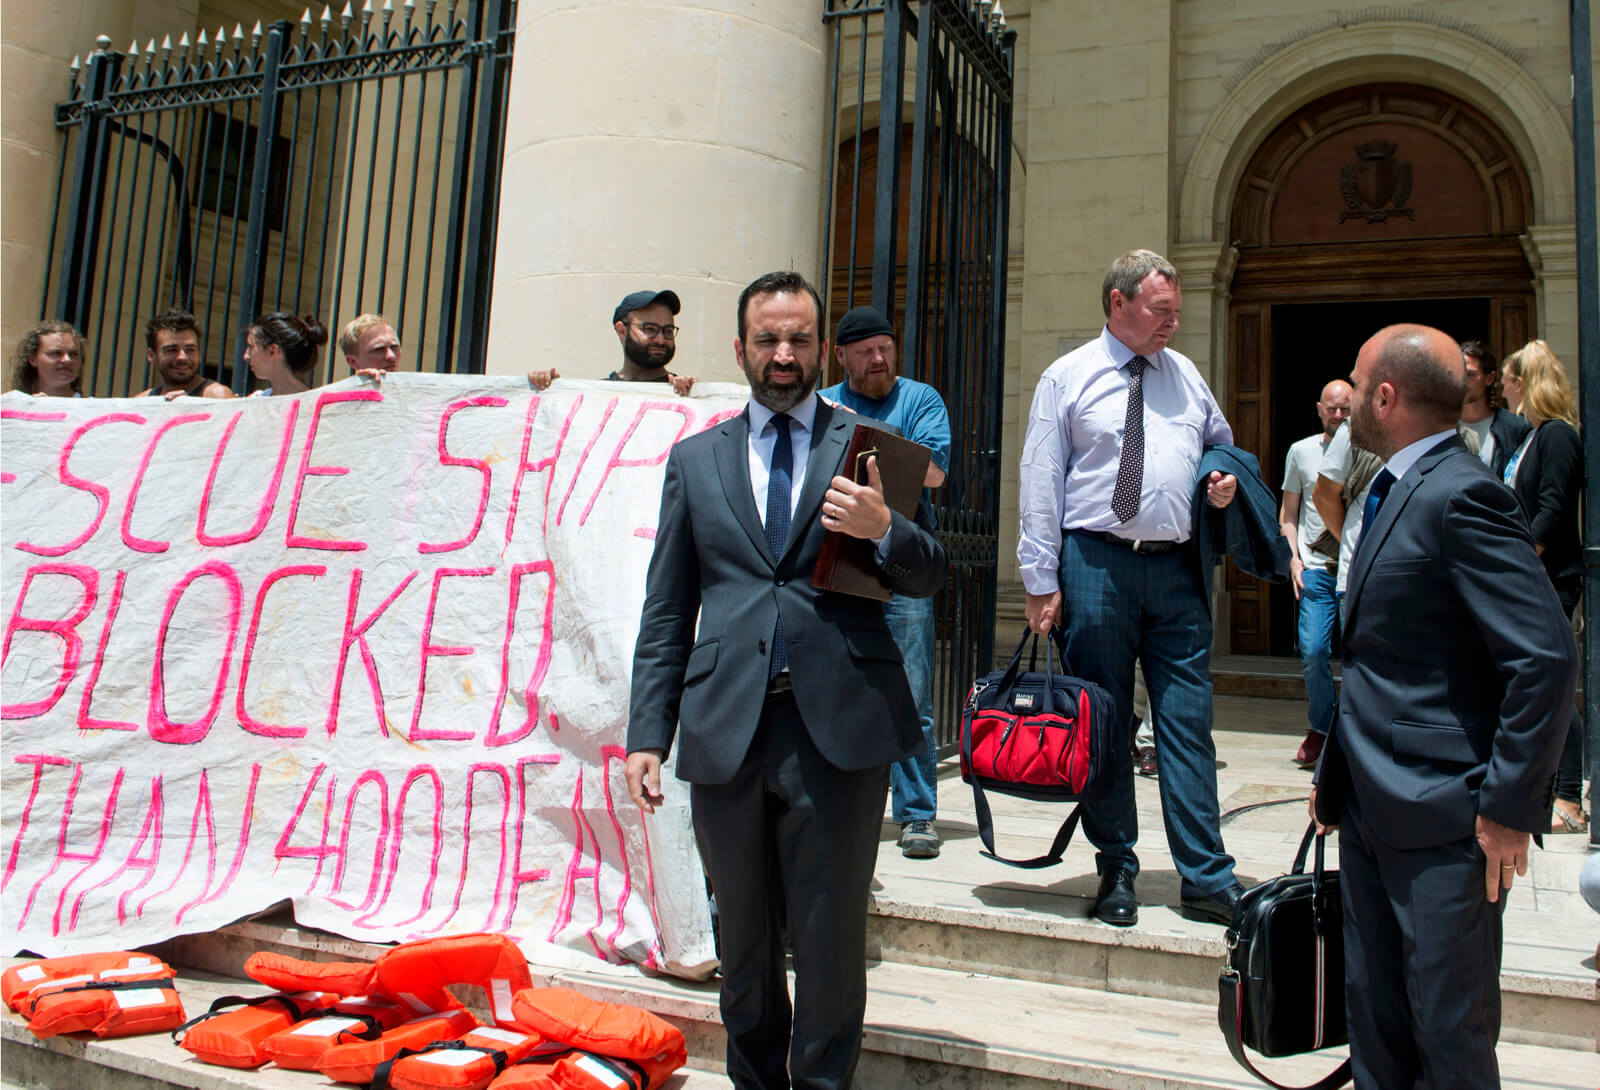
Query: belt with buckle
[
  {"x": 783, "y": 683},
  {"x": 1137, "y": 545}
]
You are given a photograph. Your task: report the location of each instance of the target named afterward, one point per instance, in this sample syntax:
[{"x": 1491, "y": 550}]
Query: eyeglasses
[{"x": 650, "y": 329}]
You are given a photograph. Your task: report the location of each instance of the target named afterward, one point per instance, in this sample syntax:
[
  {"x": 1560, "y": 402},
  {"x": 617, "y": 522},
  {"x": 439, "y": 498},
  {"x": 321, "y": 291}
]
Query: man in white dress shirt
[{"x": 1109, "y": 475}]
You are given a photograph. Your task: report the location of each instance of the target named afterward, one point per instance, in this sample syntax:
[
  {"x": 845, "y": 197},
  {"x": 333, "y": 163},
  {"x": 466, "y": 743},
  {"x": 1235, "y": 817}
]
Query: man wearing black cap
[
  {"x": 644, "y": 322},
  {"x": 873, "y": 387}
]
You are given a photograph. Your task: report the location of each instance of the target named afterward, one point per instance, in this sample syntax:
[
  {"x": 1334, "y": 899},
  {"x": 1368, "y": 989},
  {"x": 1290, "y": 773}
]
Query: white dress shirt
[
  {"x": 763, "y": 436},
  {"x": 1074, "y": 448}
]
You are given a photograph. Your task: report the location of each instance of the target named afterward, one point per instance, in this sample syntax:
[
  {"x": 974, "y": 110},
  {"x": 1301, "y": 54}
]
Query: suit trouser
[
  {"x": 1118, "y": 607},
  {"x": 793, "y": 838},
  {"x": 1422, "y": 962}
]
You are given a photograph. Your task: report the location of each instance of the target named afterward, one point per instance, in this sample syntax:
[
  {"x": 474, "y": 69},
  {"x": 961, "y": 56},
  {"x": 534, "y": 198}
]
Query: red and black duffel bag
[{"x": 1046, "y": 736}]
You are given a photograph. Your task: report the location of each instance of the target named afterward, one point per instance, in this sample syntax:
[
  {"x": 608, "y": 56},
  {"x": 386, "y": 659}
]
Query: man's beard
[
  {"x": 638, "y": 353},
  {"x": 780, "y": 399},
  {"x": 1364, "y": 432}
]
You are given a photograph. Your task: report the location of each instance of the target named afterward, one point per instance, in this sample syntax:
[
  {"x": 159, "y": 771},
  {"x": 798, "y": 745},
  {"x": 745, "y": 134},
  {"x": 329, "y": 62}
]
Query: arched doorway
[{"x": 1372, "y": 205}]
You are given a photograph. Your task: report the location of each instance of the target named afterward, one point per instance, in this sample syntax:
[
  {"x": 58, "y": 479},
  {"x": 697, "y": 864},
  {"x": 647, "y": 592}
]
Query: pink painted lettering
[
  {"x": 129, "y": 538},
  {"x": 162, "y": 727},
  {"x": 246, "y": 720},
  {"x": 268, "y": 500},
  {"x": 299, "y": 541},
  {"x": 479, "y": 464},
  {"x": 431, "y": 649},
  {"x": 65, "y": 629}
]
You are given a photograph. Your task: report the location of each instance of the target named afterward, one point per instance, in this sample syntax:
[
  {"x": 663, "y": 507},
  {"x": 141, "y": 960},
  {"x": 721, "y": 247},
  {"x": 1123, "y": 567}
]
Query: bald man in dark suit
[{"x": 1459, "y": 669}]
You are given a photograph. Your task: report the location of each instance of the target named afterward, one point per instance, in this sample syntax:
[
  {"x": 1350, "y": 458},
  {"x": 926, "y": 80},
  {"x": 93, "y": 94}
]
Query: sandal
[{"x": 1565, "y": 821}]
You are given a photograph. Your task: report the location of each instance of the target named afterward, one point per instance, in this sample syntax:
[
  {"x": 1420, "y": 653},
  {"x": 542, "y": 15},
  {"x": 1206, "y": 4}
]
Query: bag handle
[
  {"x": 1230, "y": 1017},
  {"x": 1058, "y": 847},
  {"x": 1319, "y": 886}
]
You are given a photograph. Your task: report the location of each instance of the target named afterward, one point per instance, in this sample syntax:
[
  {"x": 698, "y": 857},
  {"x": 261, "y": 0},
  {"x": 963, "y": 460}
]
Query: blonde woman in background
[{"x": 1546, "y": 473}]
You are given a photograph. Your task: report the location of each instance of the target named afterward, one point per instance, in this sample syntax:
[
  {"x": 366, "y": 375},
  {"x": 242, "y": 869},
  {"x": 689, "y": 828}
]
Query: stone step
[
  {"x": 965, "y": 1031},
  {"x": 1260, "y": 676},
  {"x": 965, "y": 912},
  {"x": 153, "y": 1062}
]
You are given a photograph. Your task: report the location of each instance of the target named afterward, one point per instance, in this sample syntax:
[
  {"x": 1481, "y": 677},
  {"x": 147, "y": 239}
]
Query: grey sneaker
[{"x": 919, "y": 840}]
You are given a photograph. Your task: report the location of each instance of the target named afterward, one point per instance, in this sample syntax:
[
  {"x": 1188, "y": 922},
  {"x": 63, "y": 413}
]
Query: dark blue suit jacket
[
  {"x": 1459, "y": 664},
  {"x": 713, "y": 596}
]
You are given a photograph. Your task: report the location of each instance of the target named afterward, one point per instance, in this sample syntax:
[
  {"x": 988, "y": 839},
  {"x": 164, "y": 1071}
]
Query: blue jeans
[
  {"x": 915, "y": 780},
  {"x": 1319, "y": 610},
  {"x": 1120, "y": 607}
]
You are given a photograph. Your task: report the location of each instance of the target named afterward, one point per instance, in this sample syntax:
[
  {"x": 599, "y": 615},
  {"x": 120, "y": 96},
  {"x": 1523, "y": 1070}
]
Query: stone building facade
[{"x": 1312, "y": 173}]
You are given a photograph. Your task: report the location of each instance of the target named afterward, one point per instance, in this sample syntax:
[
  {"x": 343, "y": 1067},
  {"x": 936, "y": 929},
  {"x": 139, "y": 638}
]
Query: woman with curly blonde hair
[
  {"x": 48, "y": 361},
  {"x": 1546, "y": 473}
]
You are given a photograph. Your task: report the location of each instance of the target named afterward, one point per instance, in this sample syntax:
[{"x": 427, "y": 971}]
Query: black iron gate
[
  {"x": 349, "y": 164},
  {"x": 924, "y": 219}
]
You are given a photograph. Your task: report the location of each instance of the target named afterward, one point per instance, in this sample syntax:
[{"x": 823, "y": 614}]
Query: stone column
[
  {"x": 37, "y": 45},
  {"x": 654, "y": 144}
]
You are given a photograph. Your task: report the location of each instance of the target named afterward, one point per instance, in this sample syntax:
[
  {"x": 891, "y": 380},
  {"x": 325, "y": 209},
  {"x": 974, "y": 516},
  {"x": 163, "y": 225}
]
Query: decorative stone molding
[
  {"x": 1343, "y": 20},
  {"x": 1420, "y": 49}
]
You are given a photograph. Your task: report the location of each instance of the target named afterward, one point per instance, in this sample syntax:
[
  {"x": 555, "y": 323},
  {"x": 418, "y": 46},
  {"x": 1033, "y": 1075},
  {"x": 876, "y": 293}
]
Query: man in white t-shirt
[{"x": 1314, "y": 567}]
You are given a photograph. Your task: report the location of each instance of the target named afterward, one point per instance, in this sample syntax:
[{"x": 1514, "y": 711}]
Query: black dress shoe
[
  {"x": 1214, "y": 907},
  {"x": 1115, "y": 904}
]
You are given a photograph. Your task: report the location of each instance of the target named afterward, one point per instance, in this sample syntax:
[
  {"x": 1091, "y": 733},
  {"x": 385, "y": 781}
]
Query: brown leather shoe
[
  {"x": 1146, "y": 763},
  {"x": 1310, "y": 750}
]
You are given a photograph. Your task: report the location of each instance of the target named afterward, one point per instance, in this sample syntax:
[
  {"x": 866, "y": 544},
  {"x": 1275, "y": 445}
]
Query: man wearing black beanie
[{"x": 865, "y": 348}]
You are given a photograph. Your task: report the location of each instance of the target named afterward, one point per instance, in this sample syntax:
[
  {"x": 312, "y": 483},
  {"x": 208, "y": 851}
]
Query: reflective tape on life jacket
[
  {"x": 288, "y": 974},
  {"x": 231, "y": 1032},
  {"x": 611, "y": 1030},
  {"x": 589, "y": 1071},
  {"x": 108, "y": 995},
  {"x": 420, "y": 973},
  {"x": 302, "y": 1046},
  {"x": 357, "y": 1061},
  {"x": 467, "y": 1063}
]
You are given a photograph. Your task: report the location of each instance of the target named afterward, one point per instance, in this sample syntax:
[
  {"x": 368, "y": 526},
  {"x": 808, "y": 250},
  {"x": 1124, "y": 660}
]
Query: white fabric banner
[{"x": 367, "y": 648}]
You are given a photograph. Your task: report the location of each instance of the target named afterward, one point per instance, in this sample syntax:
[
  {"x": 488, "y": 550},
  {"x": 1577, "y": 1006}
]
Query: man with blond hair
[{"x": 370, "y": 345}]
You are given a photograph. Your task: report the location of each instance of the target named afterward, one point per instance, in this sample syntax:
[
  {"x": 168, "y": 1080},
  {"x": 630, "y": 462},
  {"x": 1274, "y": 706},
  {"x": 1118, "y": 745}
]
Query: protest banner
[{"x": 366, "y": 649}]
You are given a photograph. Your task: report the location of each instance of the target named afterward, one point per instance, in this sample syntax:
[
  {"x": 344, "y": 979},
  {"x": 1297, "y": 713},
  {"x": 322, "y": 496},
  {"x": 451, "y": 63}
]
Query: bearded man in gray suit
[
  {"x": 789, "y": 703},
  {"x": 1459, "y": 667}
]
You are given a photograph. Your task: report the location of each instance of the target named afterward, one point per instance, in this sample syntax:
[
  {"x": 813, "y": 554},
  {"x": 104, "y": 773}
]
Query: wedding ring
[{"x": 1508, "y": 866}]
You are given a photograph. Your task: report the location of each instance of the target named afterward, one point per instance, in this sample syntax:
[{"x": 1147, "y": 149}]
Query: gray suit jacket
[
  {"x": 712, "y": 563},
  {"x": 1459, "y": 665}
]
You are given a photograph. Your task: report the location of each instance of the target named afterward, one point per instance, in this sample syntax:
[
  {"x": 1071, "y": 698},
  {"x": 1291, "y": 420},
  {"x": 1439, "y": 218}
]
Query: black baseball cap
[
  {"x": 860, "y": 323},
  {"x": 638, "y": 300}
]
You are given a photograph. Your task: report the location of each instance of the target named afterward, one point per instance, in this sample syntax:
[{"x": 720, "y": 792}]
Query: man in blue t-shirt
[{"x": 865, "y": 348}]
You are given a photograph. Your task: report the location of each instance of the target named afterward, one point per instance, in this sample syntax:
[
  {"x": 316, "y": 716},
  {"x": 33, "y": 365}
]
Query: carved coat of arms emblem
[{"x": 1377, "y": 185}]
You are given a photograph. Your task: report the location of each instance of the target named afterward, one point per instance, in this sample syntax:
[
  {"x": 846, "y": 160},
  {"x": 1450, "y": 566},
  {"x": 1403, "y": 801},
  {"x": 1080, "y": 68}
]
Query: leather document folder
[{"x": 846, "y": 564}]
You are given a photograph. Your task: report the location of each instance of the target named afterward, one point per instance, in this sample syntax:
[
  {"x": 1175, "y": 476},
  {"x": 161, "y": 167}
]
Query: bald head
[
  {"x": 1409, "y": 381},
  {"x": 1334, "y": 405}
]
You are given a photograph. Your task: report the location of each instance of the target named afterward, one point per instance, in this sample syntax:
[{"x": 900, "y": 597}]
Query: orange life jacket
[
  {"x": 420, "y": 972},
  {"x": 531, "y": 1074},
  {"x": 655, "y": 1048},
  {"x": 357, "y": 1061},
  {"x": 288, "y": 974},
  {"x": 468, "y": 1063},
  {"x": 109, "y": 995},
  {"x": 232, "y": 1037},
  {"x": 302, "y": 1046}
]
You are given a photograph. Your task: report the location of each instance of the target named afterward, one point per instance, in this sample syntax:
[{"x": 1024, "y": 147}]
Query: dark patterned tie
[
  {"x": 1380, "y": 488},
  {"x": 1130, "y": 473},
  {"x": 779, "y": 481}
]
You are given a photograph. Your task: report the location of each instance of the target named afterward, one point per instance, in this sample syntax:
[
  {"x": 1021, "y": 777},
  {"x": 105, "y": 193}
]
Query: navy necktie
[
  {"x": 1380, "y": 488},
  {"x": 1130, "y": 471},
  {"x": 780, "y": 479}
]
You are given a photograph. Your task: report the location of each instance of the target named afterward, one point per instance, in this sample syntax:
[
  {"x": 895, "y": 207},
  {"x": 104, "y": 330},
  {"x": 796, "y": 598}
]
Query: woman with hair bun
[
  {"x": 1546, "y": 473},
  {"x": 282, "y": 350}
]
